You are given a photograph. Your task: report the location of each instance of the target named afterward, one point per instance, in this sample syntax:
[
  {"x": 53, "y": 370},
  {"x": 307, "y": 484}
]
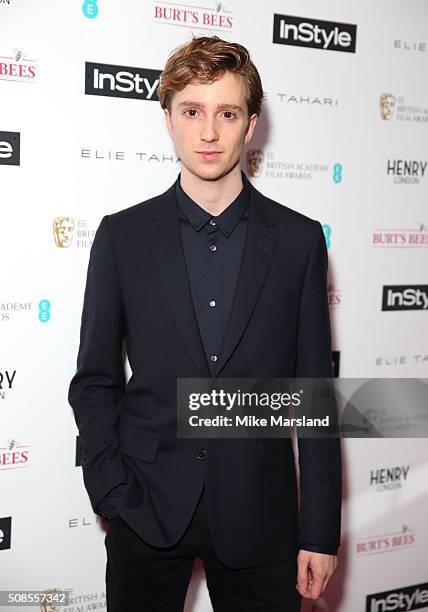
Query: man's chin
[{"x": 210, "y": 172}]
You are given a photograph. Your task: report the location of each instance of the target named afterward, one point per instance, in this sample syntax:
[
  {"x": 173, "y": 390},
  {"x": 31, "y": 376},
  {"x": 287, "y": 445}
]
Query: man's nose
[{"x": 209, "y": 131}]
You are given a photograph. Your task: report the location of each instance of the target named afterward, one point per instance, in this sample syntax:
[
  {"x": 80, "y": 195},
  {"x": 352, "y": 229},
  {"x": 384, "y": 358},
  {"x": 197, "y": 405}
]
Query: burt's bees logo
[{"x": 14, "y": 455}]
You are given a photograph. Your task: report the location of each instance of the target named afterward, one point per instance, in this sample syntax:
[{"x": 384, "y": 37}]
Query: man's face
[{"x": 209, "y": 125}]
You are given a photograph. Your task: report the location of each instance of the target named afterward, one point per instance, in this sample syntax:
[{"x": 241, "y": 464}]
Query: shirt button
[
  {"x": 213, "y": 357},
  {"x": 201, "y": 453},
  {"x": 213, "y": 247},
  {"x": 212, "y": 222},
  {"x": 212, "y": 303}
]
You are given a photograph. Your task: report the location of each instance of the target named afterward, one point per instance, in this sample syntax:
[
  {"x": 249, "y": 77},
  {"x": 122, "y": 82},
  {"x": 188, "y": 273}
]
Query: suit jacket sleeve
[
  {"x": 97, "y": 388},
  {"x": 319, "y": 458}
]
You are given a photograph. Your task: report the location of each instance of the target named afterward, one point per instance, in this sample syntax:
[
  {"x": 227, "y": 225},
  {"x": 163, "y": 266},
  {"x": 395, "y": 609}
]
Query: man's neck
[{"x": 212, "y": 196}]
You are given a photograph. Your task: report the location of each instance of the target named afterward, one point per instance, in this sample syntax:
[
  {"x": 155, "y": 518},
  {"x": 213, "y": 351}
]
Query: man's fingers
[
  {"x": 302, "y": 574},
  {"x": 315, "y": 586}
]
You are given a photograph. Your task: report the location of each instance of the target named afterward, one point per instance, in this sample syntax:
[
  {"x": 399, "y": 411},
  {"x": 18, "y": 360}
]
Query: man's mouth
[{"x": 208, "y": 155}]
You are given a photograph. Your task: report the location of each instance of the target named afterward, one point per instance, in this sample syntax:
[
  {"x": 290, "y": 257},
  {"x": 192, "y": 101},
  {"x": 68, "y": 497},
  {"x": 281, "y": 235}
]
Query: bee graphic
[
  {"x": 11, "y": 443},
  {"x": 422, "y": 227},
  {"x": 219, "y": 6},
  {"x": 19, "y": 54}
]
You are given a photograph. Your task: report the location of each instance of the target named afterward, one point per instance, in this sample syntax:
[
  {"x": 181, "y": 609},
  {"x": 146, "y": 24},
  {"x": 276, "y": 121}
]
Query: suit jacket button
[{"x": 202, "y": 453}]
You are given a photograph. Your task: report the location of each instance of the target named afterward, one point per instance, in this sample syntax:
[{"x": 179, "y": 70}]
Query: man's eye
[
  {"x": 192, "y": 112},
  {"x": 229, "y": 114}
]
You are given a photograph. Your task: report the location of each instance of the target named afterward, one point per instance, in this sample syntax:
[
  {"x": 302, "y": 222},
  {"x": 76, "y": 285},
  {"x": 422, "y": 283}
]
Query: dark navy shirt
[{"x": 213, "y": 247}]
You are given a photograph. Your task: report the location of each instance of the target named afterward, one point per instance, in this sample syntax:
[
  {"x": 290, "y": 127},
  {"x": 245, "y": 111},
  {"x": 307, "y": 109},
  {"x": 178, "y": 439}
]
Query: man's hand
[{"x": 314, "y": 571}]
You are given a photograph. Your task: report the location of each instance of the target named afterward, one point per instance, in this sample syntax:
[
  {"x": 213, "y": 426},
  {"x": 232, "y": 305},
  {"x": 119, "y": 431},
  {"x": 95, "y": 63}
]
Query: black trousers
[{"x": 145, "y": 578}]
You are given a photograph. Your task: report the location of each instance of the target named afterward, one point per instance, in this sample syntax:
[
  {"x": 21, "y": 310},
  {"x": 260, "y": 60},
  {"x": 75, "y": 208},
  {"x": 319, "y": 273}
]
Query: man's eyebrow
[{"x": 202, "y": 105}]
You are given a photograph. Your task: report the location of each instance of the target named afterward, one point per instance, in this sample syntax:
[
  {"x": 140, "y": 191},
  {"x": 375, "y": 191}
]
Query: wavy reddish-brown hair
[{"x": 205, "y": 59}]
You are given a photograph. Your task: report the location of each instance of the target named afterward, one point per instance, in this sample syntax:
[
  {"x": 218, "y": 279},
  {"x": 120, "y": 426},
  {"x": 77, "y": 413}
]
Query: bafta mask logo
[
  {"x": 387, "y": 105},
  {"x": 255, "y": 162},
  {"x": 63, "y": 228}
]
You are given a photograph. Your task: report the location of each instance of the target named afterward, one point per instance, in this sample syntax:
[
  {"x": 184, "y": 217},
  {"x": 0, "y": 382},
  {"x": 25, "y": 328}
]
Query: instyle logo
[
  {"x": 10, "y": 153},
  {"x": 121, "y": 81},
  {"x": 314, "y": 33},
  {"x": 405, "y": 297},
  {"x": 5, "y": 532},
  {"x": 401, "y": 599}
]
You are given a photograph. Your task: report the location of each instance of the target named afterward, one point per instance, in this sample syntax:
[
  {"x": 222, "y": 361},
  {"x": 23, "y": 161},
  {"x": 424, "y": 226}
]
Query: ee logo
[
  {"x": 90, "y": 8},
  {"x": 44, "y": 311},
  {"x": 327, "y": 234},
  {"x": 337, "y": 173}
]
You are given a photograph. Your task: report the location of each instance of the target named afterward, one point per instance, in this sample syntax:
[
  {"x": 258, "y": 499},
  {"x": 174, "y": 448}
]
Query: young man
[{"x": 209, "y": 279}]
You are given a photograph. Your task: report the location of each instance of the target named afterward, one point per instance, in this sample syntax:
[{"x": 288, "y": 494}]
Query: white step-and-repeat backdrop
[{"x": 343, "y": 138}]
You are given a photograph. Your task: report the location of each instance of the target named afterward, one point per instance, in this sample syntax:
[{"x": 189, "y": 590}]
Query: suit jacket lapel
[
  {"x": 169, "y": 257},
  {"x": 256, "y": 259}
]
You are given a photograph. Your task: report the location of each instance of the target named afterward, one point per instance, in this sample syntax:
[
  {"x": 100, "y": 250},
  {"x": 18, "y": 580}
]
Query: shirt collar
[{"x": 227, "y": 220}]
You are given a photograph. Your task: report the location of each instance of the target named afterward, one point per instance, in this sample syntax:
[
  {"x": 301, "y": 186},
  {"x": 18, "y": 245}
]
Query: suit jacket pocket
[
  {"x": 139, "y": 445},
  {"x": 274, "y": 455},
  {"x": 277, "y": 299}
]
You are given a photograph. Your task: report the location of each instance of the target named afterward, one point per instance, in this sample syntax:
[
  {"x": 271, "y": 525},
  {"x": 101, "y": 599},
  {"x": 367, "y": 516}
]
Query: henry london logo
[
  {"x": 6, "y": 382},
  {"x": 215, "y": 17},
  {"x": 400, "y": 238},
  {"x": 314, "y": 33},
  {"x": 10, "y": 149},
  {"x": 18, "y": 67},
  {"x": 121, "y": 81},
  {"x": 386, "y": 542},
  {"x": 260, "y": 163},
  {"x": 389, "y": 478},
  {"x": 405, "y": 297},
  {"x": 397, "y": 108},
  {"x": 14, "y": 455},
  {"x": 400, "y": 599},
  {"x": 406, "y": 171},
  {"x": 66, "y": 232}
]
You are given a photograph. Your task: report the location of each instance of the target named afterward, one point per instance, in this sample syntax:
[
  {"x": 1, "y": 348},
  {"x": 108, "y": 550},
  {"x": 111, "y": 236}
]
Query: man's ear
[
  {"x": 168, "y": 121},
  {"x": 250, "y": 128}
]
